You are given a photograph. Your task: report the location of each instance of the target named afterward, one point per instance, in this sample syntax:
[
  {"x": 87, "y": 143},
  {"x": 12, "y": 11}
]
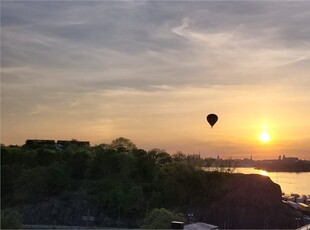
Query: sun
[{"x": 264, "y": 136}]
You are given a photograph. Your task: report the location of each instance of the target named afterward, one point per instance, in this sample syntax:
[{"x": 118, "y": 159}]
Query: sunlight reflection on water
[
  {"x": 289, "y": 182},
  {"x": 263, "y": 172}
]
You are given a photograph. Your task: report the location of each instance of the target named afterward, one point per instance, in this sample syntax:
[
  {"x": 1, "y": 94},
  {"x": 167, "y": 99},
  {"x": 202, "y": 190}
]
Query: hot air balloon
[{"x": 212, "y": 119}]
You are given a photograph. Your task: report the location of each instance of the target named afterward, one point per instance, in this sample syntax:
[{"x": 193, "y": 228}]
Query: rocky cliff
[
  {"x": 248, "y": 202},
  {"x": 251, "y": 201}
]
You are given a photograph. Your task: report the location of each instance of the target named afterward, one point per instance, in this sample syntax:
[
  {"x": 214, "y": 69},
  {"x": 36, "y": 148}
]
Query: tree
[
  {"x": 128, "y": 165},
  {"x": 123, "y": 144},
  {"x": 226, "y": 166},
  {"x": 145, "y": 166},
  {"x": 11, "y": 219},
  {"x": 194, "y": 160},
  {"x": 31, "y": 185},
  {"x": 160, "y": 156},
  {"x": 56, "y": 180},
  {"x": 12, "y": 155},
  {"x": 40, "y": 182},
  {"x": 45, "y": 157},
  {"x": 179, "y": 156},
  {"x": 161, "y": 219},
  {"x": 79, "y": 164},
  {"x": 9, "y": 177}
]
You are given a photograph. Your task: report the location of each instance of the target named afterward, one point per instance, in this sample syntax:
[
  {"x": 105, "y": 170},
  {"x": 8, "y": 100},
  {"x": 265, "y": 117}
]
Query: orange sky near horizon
[
  {"x": 179, "y": 124},
  {"x": 150, "y": 73}
]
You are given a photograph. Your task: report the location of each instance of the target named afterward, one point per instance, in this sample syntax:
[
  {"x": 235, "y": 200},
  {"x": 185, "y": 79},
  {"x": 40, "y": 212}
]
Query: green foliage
[
  {"x": 133, "y": 202},
  {"x": 12, "y": 155},
  {"x": 56, "y": 179},
  {"x": 161, "y": 219},
  {"x": 179, "y": 157},
  {"x": 11, "y": 219},
  {"x": 145, "y": 166},
  {"x": 123, "y": 145},
  {"x": 160, "y": 156},
  {"x": 79, "y": 164},
  {"x": 45, "y": 157},
  {"x": 118, "y": 180},
  {"x": 37, "y": 183},
  {"x": 127, "y": 166},
  {"x": 31, "y": 186},
  {"x": 106, "y": 162}
]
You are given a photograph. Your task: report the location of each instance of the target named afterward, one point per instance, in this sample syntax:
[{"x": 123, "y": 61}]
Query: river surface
[{"x": 289, "y": 182}]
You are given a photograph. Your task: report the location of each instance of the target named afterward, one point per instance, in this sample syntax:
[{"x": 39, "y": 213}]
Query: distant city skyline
[{"x": 151, "y": 71}]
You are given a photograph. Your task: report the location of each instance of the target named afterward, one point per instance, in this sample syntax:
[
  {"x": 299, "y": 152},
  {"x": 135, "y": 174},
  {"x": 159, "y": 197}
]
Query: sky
[{"x": 151, "y": 71}]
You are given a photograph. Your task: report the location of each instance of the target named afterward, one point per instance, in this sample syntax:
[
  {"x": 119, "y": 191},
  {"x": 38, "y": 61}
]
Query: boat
[
  {"x": 291, "y": 198},
  {"x": 296, "y": 195},
  {"x": 303, "y": 207},
  {"x": 300, "y": 200},
  {"x": 293, "y": 204}
]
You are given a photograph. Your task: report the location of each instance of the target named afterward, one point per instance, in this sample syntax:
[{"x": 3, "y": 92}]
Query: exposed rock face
[
  {"x": 56, "y": 212},
  {"x": 69, "y": 213},
  {"x": 251, "y": 201}
]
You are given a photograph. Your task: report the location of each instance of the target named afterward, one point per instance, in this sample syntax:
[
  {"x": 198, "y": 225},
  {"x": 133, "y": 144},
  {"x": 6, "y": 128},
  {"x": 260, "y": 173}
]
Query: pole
[
  {"x": 87, "y": 217},
  {"x": 118, "y": 218}
]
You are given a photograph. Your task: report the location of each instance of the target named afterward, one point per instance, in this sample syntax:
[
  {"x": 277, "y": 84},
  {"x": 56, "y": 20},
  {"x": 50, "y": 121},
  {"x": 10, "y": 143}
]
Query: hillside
[{"x": 119, "y": 184}]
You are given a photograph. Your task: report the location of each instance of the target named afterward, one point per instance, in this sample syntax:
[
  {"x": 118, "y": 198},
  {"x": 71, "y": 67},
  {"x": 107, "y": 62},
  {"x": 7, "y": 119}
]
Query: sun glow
[
  {"x": 264, "y": 136},
  {"x": 263, "y": 173}
]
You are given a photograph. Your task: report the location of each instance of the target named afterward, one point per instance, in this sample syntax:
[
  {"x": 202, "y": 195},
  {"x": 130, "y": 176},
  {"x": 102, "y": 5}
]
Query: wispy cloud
[
  {"x": 38, "y": 110},
  {"x": 240, "y": 50},
  {"x": 143, "y": 68}
]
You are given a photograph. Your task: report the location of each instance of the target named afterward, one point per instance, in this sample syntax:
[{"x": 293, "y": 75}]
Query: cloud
[
  {"x": 39, "y": 110},
  {"x": 105, "y": 62},
  {"x": 140, "y": 47}
]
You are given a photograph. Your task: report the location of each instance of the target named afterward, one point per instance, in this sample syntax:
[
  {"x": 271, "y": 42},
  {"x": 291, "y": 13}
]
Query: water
[{"x": 289, "y": 182}]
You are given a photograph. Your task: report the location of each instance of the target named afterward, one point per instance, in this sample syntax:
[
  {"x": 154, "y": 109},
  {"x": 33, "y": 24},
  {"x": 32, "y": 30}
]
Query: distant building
[
  {"x": 52, "y": 144},
  {"x": 62, "y": 144},
  {"x": 279, "y": 157},
  {"x": 34, "y": 144},
  {"x": 290, "y": 159}
]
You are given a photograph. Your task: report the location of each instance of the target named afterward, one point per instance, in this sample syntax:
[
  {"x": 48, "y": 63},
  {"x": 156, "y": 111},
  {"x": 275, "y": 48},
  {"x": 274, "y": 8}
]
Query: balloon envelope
[{"x": 212, "y": 119}]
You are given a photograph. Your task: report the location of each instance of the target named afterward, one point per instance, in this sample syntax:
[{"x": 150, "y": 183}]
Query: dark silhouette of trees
[{"x": 117, "y": 183}]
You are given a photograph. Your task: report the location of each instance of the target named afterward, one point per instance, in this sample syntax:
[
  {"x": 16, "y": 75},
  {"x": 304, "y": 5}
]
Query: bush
[
  {"x": 161, "y": 219},
  {"x": 10, "y": 219}
]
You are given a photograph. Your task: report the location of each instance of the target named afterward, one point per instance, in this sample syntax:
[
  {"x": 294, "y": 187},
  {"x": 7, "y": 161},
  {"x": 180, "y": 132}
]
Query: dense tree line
[{"x": 119, "y": 183}]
